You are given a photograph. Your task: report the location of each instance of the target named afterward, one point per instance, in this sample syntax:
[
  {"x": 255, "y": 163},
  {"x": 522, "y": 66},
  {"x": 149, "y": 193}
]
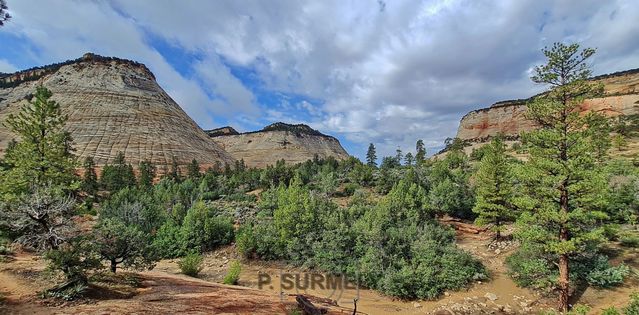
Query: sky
[{"x": 365, "y": 71}]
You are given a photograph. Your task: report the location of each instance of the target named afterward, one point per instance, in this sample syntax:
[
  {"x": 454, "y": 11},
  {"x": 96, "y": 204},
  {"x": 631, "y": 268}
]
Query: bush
[
  {"x": 168, "y": 242},
  {"x": 191, "y": 264},
  {"x": 204, "y": 230},
  {"x": 608, "y": 277},
  {"x": 233, "y": 275},
  {"x": 629, "y": 240},
  {"x": 633, "y": 306},
  {"x": 74, "y": 259}
]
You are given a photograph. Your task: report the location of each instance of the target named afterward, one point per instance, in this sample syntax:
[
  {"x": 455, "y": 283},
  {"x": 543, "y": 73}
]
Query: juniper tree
[
  {"x": 371, "y": 157},
  {"x": 42, "y": 155},
  {"x": 119, "y": 243},
  {"x": 494, "y": 187},
  {"x": 562, "y": 180},
  {"x": 40, "y": 219}
]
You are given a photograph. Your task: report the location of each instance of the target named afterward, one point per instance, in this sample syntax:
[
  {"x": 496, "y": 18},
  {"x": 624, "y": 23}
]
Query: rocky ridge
[
  {"x": 621, "y": 98},
  {"x": 113, "y": 105},
  {"x": 292, "y": 143}
]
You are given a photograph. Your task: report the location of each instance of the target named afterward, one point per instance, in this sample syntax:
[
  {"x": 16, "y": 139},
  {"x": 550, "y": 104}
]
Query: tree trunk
[
  {"x": 564, "y": 276},
  {"x": 114, "y": 265},
  {"x": 564, "y": 284}
]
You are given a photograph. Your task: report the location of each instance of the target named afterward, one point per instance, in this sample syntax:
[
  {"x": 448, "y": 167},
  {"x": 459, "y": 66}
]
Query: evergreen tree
[
  {"x": 371, "y": 157},
  {"x": 193, "y": 170},
  {"x": 494, "y": 187},
  {"x": 147, "y": 174},
  {"x": 43, "y": 154},
  {"x": 175, "y": 174},
  {"x": 420, "y": 156},
  {"x": 89, "y": 178},
  {"x": 398, "y": 156},
  {"x": 450, "y": 188},
  {"x": 562, "y": 178},
  {"x": 408, "y": 159},
  {"x": 118, "y": 175}
]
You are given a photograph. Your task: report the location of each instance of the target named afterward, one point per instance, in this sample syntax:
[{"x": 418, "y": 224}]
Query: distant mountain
[
  {"x": 293, "y": 143},
  {"x": 620, "y": 99},
  {"x": 113, "y": 105}
]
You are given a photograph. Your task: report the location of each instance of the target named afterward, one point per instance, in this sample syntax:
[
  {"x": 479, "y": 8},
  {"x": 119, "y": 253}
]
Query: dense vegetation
[{"x": 567, "y": 200}]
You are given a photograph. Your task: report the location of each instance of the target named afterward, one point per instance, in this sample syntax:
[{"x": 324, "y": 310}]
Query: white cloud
[
  {"x": 6, "y": 66},
  {"x": 389, "y": 74}
]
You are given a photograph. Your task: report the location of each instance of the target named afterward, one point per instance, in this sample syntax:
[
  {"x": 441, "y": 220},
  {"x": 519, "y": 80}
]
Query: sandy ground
[{"x": 165, "y": 291}]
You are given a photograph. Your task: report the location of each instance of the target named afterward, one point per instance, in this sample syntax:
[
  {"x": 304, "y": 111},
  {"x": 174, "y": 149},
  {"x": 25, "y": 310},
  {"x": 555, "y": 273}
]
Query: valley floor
[{"x": 163, "y": 290}]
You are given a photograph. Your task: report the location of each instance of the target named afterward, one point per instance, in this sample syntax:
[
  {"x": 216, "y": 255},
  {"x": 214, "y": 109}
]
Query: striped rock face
[
  {"x": 279, "y": 141},
  {"x": 113, "y": 106},
  {"x": 621, "y": 98}
]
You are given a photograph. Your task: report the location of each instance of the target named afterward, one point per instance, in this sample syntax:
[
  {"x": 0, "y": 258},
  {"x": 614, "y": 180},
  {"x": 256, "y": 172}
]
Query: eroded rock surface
[
  {"x": 113, "y": 105},
  {"x": 293, "y": 143},
  {"x": 508, "y": 117}
]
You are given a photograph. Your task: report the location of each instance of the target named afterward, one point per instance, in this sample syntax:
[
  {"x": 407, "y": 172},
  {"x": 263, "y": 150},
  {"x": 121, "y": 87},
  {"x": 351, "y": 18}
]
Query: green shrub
[
  {"x": 608, "y": 277},
  {"x": 629, "y": 240},
  {"x": 204, "y": 230},
  {"x": 191, "y": 264},
  {"x": 168, "y": 242},
  {"x": 67, "y": 293},
  {"x": 633, "y": 307},
  {"x": 233, "y": 275},
  {"x": 611, "y": 311}
]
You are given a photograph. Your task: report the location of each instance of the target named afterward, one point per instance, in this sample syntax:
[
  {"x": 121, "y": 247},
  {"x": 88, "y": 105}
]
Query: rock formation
[
  {"x": 621, "y": 97},
  {"x": 113, "y": 105},
  {"x": 293, "y": 143}
]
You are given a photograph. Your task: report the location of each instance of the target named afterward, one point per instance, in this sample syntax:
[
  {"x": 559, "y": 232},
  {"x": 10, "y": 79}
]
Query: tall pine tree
[
  {"x": 563, "y": 182},
  {"x": 494, "y": 187},
  {"x": 42, "y": 156},
  {"x": 420, "y": 150},
  {"x": 371, "y": 156}
]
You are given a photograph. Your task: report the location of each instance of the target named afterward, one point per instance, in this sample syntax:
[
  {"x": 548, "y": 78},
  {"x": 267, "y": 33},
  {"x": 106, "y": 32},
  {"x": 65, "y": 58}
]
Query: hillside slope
[
  {"x": 292, "y": 143},
  {"x": 113, "y": 105}
]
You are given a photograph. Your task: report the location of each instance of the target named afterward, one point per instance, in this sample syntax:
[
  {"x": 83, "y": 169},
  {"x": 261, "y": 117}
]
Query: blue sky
[{"x": 363, "y": 71}]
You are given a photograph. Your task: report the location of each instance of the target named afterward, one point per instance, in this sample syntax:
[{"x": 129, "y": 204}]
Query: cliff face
[
  {"x": 508, "y": 118},
  {"x": 113, "y": 105},
  {"x": 293, "y": 143}
]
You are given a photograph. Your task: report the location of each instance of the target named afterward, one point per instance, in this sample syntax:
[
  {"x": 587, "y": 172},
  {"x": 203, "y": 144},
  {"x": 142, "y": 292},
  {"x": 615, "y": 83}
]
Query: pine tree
[
  {"x": 398, "y": 156},
  {"x": 408, "y": 159},
  {"x": 564, "y": 186},
  {"x": 193, "y": 170},
  {"x": 118, "y": 175},
  {"x": 371, "y": 157},
  {"x": 494, "y": 187},
  {"x": 175, "y": 174},
  {"x": 89, "y": 178},
  {"x": 147, "y": 174},
  {"x": 420, "y": 156},
  {"x": 43, "y": 153}
]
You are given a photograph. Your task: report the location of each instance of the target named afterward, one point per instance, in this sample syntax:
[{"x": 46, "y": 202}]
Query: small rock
[
  {"x": 497, "y": 251},
  {"x": 446, "y": 294},
  {"x": 416, "y": 305},
  {"x": 491, "y": 296}
]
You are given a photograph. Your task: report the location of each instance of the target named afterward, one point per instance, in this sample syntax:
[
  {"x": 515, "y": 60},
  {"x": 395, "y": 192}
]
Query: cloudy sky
[{"x": 387, "y": 72}]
